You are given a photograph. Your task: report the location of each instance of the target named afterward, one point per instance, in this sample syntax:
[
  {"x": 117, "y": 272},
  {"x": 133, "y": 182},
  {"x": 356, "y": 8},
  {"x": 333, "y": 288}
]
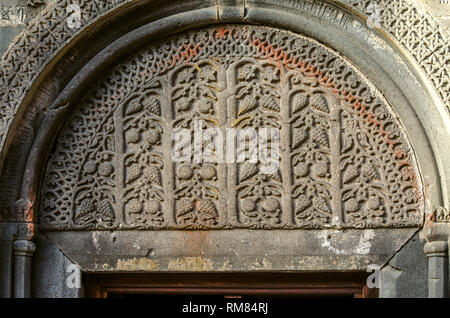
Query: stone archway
[
  {"x": 347, "y": 183},
  {"x": 346, "y": 162},
  {"x": 356, "y": 178}
]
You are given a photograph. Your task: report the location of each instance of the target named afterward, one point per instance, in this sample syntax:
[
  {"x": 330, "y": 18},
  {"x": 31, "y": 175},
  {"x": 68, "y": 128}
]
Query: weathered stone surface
[
  {"x": 405, "y": 276},
  {"x": 7, "y": 232},
  {"x": 345, "y": 160},
  {"x": 50, "y": 274},
  {"x": 237, "y": 250},
  {"x": 14, "y": 18},
  {"x": 429, "y": 46},
  {"x": 415, "y": 38}
]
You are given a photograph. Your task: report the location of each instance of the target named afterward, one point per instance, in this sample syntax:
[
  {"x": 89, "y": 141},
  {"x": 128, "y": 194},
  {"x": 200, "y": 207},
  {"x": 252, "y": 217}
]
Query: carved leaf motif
[
  {"x": 133, "y": 173},
  {"x": 248, "y": 73},
  {"x": 276, "y": 176},
  {"x": 181, "y": 92},
  {"x": 208, "y": 74},
  {"x": 153, "y": 83},
  {"x": 349, "y": 194},
  {"x": 300, "y": 137},
  {"x": 319, "y": 135},
  {"x": 320, "y": 204},
  {"x": 208, "y": 207},
  {"x": 270, "y": 103},
  {"x": 248, "y": 170},
  {"x": 186, "y": 75},
  {"x": 35, "y": 3},
  {"x": 319, "y": 102},
  {"x": 249, "y": 103},
  {"x": 350, "y": 174},
  {"x": 300, "y": 102},
  {"x": 347, "y": 142},
  {"x": 207, "y": 92},
  {"x": 270, "y": 74},
  {"x": 364, "y": 140},
  {"x": 299, "y": 191}
]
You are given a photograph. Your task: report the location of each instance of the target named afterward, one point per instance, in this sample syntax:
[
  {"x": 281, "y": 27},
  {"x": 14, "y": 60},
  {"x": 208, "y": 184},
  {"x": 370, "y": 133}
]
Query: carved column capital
[
  {"x": 441, "y": 214},
  {"x": 436, "y": 227},
  {"x": 24, "y": 248},
  {"x": 437, "y": 248},
  {"x": 35, "y": 3}
]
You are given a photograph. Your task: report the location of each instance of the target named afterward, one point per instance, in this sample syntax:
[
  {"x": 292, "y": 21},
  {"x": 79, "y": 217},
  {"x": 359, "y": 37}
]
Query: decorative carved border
[
  {"x": 73, "y": 196},
  {"x": 49, "y": 33},
  {"x": 36, "y": 46},
  {"x": 419, "y": 34}
]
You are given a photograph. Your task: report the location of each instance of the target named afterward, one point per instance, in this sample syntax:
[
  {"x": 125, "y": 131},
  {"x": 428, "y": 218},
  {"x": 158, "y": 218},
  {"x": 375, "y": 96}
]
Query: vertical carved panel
[
  {"x": 256, "y": 87},
  {"x": 94, "y": 197},
  {"x": 197, "y": 194},
  {"x": 311, "y": 153},
  {"x": 142, "y": 158},
  {"x": 373, "y": 189}
]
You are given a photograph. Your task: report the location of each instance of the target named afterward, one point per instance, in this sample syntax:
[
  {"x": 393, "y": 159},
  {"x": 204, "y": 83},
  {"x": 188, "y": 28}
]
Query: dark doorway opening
[{"x": 230, "y": 285}]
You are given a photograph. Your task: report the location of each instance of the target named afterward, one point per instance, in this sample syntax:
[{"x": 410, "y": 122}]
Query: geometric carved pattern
[
  {"x": 44, "y": 37},
  {"x": 421, "y": 36},
  {"x": 345, "y": 160}
]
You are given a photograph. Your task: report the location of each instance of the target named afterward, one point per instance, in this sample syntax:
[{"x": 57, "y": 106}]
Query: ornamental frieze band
[{"x": 345, "y": 159}]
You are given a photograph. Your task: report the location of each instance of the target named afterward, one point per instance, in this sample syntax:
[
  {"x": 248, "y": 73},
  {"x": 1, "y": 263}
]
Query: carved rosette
[{"x": 345, "y": 160}]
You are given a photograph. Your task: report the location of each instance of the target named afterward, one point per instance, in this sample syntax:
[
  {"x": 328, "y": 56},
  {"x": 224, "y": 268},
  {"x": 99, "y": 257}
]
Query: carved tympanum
[{"x": 345, "y": 160}]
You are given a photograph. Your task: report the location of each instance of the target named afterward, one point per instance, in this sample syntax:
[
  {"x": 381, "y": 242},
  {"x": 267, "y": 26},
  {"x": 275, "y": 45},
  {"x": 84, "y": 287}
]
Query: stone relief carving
[
  {"x": 35, "y": 3},
  {"x": 420, "y": 35},
  {"x": 441, "y": 215},
  {"x": 345, "y": 161},
  {"x": 45, "y": 36},
  {"x": 195, "y": 90}
]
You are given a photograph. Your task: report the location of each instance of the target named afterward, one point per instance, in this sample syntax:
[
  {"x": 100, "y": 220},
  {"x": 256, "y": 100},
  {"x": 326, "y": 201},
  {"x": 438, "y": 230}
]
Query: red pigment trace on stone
[
  {"x": 222, "y": 33},
  {"x": 279, "y": 55},
  {"x": 185, "y": 54}
]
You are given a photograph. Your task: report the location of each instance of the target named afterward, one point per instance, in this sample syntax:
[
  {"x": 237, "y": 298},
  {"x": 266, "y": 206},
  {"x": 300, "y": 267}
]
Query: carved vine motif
[
  {"x": 257, "y": 91},
  {"x": 49, "y": 34},
  {"x": 345, "y": 162},
  {"x": 195, "y": 98},
  {"x": 441, "y": 215},
  {"x": 311, "y": 145},
  {"x": 143, "y": 158}
]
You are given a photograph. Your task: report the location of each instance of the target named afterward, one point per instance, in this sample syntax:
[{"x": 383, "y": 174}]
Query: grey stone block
[
  {"x": 49, "y": 273},
  {"x": 406, "y": 273}
]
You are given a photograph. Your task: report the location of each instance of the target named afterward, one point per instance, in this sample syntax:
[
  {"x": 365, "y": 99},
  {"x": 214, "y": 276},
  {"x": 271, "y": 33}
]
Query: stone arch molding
[
  {"x": 38, "y": 51},
  {"x": 46, "y": 79}
]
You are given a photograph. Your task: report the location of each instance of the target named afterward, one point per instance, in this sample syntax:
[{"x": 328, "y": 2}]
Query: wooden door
[{"x": 311, "y": 285}]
